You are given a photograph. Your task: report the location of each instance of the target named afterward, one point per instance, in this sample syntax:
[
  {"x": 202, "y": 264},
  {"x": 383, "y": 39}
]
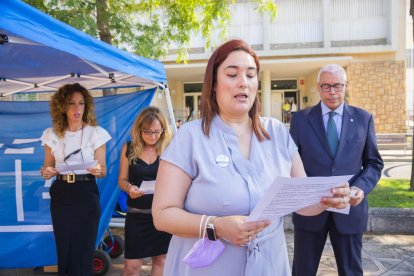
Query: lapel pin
[
  {"x": 352, "y": 120},
  {"x": 222, "y": 160}
]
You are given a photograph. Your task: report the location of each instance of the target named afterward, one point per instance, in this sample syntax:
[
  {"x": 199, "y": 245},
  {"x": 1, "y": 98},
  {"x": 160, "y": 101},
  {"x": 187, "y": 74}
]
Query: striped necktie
[{"x": 332, "y": 133}]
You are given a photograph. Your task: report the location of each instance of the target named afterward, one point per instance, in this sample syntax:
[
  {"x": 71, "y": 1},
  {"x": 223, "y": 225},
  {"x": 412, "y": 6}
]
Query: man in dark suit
[{"x": 335, "y": 138}]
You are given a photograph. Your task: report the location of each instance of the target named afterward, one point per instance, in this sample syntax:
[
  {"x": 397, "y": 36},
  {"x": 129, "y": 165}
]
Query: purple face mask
[{"x": 204, "y": 252}]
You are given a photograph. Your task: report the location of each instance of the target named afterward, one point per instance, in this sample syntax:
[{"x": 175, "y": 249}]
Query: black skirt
[
  {"x": 142, "y": 240},
  {"x": 75, "y": 211}
]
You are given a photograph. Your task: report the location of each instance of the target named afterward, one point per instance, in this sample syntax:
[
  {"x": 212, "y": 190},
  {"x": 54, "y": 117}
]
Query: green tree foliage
[{"x": 147, "y": 28}]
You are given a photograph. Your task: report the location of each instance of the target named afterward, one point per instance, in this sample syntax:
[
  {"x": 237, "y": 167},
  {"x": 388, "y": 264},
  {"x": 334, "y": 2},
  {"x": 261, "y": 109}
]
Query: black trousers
[{"x": 75, "y": 212}]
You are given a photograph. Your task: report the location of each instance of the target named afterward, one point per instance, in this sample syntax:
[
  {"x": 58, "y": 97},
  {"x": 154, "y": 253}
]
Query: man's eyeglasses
[
  {"x": 338, "y": 87},
  {"x": 70, "y": 154},
  {"x": 152, "y": 132}
]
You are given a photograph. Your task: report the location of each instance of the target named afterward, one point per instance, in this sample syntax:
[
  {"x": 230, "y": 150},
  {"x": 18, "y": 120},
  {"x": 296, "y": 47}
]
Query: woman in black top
[{"x": 137, "y": 173}]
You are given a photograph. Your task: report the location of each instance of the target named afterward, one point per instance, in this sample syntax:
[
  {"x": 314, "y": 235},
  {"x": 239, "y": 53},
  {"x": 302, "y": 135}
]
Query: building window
[
  {"x": 283, "y": 84},
  {"x": 193, "y": 87}
]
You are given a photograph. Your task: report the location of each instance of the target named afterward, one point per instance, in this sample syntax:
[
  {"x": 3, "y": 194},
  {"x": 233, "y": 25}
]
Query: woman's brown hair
[
  {"x": 209, "y": 107},
  {"x": 60, "y": 101},
  {"x": 144, "y": 121}
]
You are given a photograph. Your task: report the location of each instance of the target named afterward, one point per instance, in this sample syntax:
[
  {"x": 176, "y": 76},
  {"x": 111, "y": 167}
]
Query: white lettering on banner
[
  {"x": 25, "y": 141},
  {"x": 1, "y": 145},
  {"x": 18, "y": 175},
  {"x": 19, "y": 151},
  {"x": 29, "y": 150},
  {"x": 48, "y": 183},
  {"x": 26, "y": 228},
  {"x": 19, "y": 190}
]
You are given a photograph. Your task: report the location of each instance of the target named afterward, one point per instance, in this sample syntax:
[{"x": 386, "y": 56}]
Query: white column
[
  {"x": 266, "y": 104},
  {"x": 266, "y": 31},
  {"x": 392, "y": 13},
  {"x": 326, "y": 15}
]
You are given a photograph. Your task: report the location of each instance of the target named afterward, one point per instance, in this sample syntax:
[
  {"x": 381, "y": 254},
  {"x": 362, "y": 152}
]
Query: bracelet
[
  {"x": 128, "y": 188},
  {"x": 201, "y": 227}
]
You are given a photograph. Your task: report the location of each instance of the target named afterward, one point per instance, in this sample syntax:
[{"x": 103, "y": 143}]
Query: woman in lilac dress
[{"x": 220, "y": 166}]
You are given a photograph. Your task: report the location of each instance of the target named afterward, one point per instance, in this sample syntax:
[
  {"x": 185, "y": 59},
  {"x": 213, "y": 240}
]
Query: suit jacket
[{"x": 357, "y": 154}]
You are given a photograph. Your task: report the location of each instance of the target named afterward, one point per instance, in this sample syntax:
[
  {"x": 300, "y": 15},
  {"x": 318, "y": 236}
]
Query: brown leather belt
[{"x": 72, "y": 178}]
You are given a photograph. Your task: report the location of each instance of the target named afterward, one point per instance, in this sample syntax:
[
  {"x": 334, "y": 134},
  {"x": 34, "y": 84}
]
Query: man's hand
[{"x": 358, "y": 197}]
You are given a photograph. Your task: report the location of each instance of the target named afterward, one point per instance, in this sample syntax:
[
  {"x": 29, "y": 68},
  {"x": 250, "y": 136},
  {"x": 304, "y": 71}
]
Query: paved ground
[
  {"x": 385, "y": 255},
  {"x": 397, "y": 170}
]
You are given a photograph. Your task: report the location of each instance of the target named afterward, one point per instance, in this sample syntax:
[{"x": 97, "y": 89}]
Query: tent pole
[
  {"x": 170, "y": 109},
  {"x": 169, "y": 104}
]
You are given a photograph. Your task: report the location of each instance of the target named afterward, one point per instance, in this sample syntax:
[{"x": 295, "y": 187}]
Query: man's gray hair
[{"x": 333, "y": 69}]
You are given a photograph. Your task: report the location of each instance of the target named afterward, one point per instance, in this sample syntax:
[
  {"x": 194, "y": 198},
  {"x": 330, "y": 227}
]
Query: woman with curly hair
[
  {"x": 138, "y": 169},
  {"x": 74, "y": 139}
]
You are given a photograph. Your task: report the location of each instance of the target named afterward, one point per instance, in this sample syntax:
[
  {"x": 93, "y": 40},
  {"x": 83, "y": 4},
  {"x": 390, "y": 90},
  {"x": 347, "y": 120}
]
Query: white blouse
[{"x": 87, "y": 139}]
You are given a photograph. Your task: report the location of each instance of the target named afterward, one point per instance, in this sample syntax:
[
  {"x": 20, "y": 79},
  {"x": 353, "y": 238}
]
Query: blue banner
[{"x": 26, "y": 232}]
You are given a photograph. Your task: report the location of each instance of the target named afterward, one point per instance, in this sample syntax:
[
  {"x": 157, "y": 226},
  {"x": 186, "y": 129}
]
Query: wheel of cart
[
  {"x": 112, "y": 246},
  {"x": 101, "y": 262}
]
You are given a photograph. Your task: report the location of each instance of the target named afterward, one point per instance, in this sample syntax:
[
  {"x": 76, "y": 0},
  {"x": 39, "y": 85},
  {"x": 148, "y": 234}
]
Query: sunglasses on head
[{"x": 70, "y": 154}]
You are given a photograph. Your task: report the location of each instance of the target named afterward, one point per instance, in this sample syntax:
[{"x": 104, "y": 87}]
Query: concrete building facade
[{"x": 367, "y": 37}]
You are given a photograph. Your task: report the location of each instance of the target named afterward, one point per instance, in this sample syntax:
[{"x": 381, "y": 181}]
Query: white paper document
[
  {"x": 287, "y": 195},
  {"x": 344, "y": 210},
  {"x": 76, "y": 167},
  {"x": 147, "y": 187}
]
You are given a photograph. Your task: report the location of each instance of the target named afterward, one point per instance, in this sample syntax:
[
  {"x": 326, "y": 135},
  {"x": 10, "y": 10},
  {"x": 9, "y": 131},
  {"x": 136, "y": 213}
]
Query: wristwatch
[{"x": 211, "y": 231}]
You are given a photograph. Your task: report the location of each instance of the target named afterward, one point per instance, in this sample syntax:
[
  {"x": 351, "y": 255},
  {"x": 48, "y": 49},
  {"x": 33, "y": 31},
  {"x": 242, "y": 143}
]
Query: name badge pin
[{"x": 222, "y": 160}]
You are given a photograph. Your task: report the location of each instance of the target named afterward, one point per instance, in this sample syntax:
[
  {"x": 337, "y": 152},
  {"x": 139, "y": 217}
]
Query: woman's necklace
[
  {"x": 149, "y": 148},
  {"x": 65, "y": 157},
  {"x": 149, "y": 156}
]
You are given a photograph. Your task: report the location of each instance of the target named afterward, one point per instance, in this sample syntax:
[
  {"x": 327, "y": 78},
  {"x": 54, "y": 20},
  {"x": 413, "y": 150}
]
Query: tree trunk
[
  {"x": 412, "y": 164},
  {"x": 412, "y": 148},
  {"x": 102, "y": 19}
]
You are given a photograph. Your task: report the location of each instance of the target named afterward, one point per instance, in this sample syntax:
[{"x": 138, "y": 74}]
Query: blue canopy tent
[{"x": 39, "y": 54}]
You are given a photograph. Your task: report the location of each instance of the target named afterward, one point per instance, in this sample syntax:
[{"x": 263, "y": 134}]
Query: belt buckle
[{"x": 70, "y": 178}]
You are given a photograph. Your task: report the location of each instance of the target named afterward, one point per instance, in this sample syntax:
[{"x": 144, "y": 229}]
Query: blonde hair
[
  {"x": 60, "y": 101},
  {"x": 144, "y": 121}
]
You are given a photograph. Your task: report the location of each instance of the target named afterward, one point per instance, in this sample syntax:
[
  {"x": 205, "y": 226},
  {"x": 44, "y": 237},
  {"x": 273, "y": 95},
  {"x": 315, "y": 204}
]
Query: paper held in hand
[
  {"x": 76, "y": 167},
  {"x": 287, "y": 195},
  {"x": 147, "y": 187}
]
